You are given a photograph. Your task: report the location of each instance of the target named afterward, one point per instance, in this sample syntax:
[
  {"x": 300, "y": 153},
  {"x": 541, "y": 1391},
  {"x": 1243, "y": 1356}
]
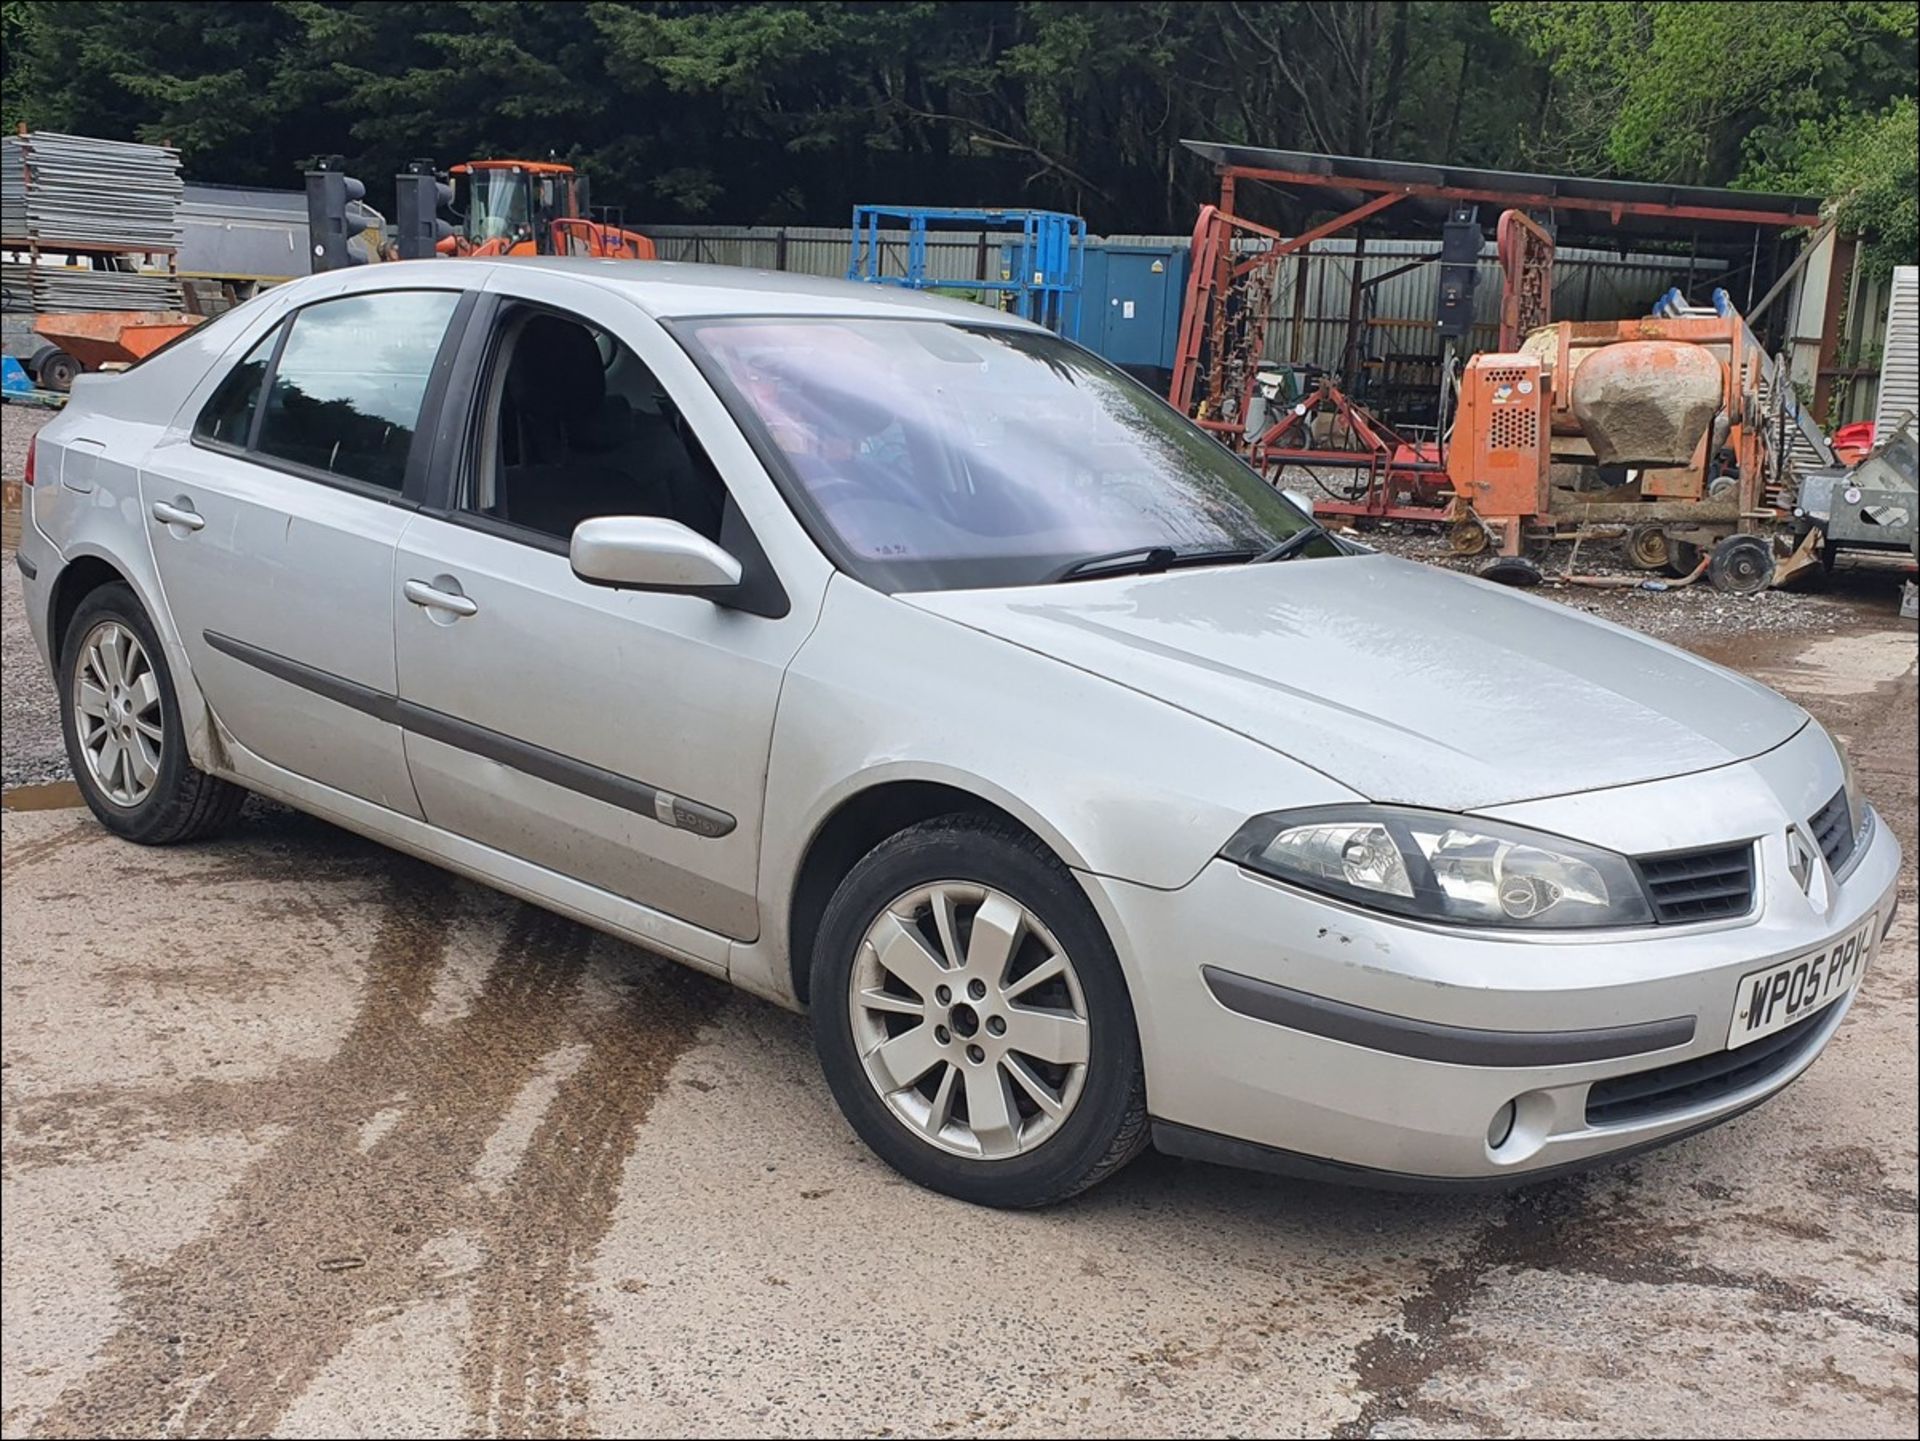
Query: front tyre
[
  {"x": 972, "y": 1019},
  {"x": 121, "y": 722}
]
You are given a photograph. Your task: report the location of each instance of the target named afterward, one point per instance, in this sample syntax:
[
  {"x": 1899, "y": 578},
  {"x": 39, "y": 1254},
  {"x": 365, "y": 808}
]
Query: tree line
[{"x": 778, "y": 112}]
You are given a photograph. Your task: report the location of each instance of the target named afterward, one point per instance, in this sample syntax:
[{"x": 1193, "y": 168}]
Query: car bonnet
[{"x": 1409, "y": 684}]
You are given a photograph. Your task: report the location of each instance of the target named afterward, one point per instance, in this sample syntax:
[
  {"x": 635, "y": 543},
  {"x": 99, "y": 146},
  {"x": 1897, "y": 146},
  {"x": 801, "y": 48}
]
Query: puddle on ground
[
  {"x": 1841, "y": 665},
  {"x": 54, "y": 796}
]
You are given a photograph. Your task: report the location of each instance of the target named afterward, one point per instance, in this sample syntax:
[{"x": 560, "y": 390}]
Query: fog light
[{"x": 1500, "y": 1127}]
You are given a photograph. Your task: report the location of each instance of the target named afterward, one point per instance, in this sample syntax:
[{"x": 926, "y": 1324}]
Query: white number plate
[{"x": 1770, "y": 1000}]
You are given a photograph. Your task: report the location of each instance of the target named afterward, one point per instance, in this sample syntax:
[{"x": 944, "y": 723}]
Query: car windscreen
[{"x": 935, "y": 455}]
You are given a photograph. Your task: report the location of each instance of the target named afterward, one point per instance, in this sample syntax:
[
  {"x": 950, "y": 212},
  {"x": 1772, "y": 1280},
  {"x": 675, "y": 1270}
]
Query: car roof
[{"x": 671, "y": 289}]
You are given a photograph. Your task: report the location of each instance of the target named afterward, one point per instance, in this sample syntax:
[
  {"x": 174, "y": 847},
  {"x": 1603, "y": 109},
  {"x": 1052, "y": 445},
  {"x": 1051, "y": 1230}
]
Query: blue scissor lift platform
[{"x": 1042, "y": 257}]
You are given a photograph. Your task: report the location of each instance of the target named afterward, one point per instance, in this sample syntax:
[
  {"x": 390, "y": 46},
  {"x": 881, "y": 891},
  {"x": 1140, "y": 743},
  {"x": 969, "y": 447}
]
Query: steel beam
[
  {"x": 1521, "y": 199},
  {"x": 1282, "y": 248}
]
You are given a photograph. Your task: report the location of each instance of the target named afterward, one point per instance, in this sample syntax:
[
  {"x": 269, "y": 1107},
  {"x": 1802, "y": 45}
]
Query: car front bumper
[{"x": 1284, "y": 1030}]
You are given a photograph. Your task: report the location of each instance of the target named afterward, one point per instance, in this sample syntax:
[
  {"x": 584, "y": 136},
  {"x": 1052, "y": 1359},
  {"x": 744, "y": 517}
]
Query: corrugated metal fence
[
  {"x": 1396, "y": 313},
  {"x": 1899, "y": 394}
]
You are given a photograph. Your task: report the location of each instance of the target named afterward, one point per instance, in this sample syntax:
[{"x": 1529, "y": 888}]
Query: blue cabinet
[{"x": 1130, "y": 308}]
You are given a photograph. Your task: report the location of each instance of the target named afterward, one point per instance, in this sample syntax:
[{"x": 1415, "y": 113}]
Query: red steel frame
[
  {"x": 1526, "y": 255},
  {"x": 1213, "y": 267},
  {"x": 1523, "y": 200},
  {"x": 1213, "y": 264},
  {"x": 1380, "y": 445},
  {"x": 1213, "y": 251}
]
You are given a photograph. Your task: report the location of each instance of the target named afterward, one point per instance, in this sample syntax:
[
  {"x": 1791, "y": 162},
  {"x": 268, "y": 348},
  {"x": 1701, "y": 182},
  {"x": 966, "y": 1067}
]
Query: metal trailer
[
  {"x": 1873, "y": 505},
  {"x": 1868, "y": 507},
  {"x": 235, "y": 234}
]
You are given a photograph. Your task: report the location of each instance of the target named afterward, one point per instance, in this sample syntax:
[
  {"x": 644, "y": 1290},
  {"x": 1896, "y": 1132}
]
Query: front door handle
[
  {"x": 183, "y": 514},
  {"x": 420, "y": 593}
]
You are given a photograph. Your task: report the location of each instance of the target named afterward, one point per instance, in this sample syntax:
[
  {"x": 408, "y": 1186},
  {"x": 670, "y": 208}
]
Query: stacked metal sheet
[
  {"x": 99, "y": 194},
  {"x": 49, "y": 289}
]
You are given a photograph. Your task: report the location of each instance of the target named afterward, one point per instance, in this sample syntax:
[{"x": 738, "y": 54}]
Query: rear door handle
[
  {"x": 182, "y": 514},
  {"x": 420, "y": 593}
]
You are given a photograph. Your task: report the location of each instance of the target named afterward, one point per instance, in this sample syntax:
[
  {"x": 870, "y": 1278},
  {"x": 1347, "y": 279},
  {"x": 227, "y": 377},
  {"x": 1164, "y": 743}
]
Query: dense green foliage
[
  {"x": 775, "y": 111},
  {"x": 1781, "y": 94}
]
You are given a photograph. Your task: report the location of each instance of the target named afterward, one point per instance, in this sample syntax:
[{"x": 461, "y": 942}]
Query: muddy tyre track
[{"x": 323, "y": 1233}]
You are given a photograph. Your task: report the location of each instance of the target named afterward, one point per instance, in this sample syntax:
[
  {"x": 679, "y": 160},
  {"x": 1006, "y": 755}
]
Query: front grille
[
  {"x": 1646, "y": 1094},
  {"x": 1707, "y": 885},
  {"x": 1833, "y": 830}
]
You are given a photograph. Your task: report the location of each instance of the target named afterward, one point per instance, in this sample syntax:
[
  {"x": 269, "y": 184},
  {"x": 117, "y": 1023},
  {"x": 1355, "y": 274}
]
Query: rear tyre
[
  {"x": 56, "y": 371},
  {"x": 972, "y": 1019},
  {"x": 1467, "y": 538},
  {"x": 1741, "y": 565},
  {"x": 121, "y": 722},
  {"x": 1647, "y": 548}
]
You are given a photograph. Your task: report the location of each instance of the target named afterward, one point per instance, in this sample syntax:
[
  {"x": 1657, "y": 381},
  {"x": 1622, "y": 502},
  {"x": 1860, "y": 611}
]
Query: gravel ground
[
  {"x": 1861, "y": 587},
  {"x": 30, "y": 748},
  {"x": 18, "y": 425},
  {"x": 31, "y": 751}
]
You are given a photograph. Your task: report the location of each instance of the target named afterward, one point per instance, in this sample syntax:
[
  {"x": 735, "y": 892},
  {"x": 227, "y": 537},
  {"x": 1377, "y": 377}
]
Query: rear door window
[{"x": 347, "y": 392}]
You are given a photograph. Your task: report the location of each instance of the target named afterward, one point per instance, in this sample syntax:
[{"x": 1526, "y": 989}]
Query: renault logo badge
[{"x": 1802, "y": 858}]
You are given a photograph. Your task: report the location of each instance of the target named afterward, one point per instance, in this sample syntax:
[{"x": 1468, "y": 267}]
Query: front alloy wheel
[
  {"x": 969, "y": 1019},
  {"x": 972, "y": 1018}
]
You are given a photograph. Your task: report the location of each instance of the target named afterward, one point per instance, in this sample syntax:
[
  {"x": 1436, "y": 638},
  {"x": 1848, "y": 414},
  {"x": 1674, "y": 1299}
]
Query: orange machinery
[
  {"x": 104, "y": 340},
  {"x": 535, "y": 207},
  {"x": 1517, "y": 415},
  {"x": 1498, "y": 460}
]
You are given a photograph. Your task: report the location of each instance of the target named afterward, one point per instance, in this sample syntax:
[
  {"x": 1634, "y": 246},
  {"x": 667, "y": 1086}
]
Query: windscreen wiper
[
  {"x": 1148, "y": 560},
  {"x": 1295, "y": 543}
]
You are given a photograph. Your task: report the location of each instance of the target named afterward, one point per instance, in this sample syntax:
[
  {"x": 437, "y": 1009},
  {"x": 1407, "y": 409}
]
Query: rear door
[{"x": 274, "y": 508}]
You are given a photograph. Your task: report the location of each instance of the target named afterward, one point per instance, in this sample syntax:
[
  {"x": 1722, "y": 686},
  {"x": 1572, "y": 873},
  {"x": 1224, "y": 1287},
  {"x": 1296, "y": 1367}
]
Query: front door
[
  {"x": 274, "y": 518},
  {"x": 616, "y": 737}
]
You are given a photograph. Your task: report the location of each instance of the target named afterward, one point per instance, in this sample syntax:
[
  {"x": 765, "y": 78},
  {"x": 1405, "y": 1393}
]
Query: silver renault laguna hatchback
[{"x": 898, "y": 661}]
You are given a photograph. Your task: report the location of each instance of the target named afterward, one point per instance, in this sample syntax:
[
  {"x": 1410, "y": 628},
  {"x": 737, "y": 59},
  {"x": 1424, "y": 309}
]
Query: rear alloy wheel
[
  {"x": 117, "y": 715},
  {"x": 971, "y": 1017},
  {"x": 121, "y": 721}
]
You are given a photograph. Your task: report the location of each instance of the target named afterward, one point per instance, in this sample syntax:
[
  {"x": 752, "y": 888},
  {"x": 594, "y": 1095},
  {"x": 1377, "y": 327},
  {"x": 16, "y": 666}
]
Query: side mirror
[
  {"x": 644, "y": 552},
  {"x": 1301, "y": 499}
]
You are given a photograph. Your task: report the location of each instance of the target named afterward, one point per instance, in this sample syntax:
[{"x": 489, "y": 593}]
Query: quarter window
[
  {"x": 228, "y": 416},
  {"x": 347, "y": 391}
]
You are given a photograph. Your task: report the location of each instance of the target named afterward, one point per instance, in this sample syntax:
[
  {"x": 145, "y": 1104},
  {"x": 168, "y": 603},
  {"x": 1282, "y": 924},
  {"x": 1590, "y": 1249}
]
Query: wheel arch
[
  {"x": 79, "y": 578},
  {"x": 85, "y": 570},
  {"x": 867, "y": 814}
]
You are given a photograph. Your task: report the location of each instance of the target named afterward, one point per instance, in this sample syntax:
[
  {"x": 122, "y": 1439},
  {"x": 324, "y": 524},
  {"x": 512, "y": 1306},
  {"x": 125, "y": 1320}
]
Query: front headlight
[{"x": 1444, "y": 868}]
